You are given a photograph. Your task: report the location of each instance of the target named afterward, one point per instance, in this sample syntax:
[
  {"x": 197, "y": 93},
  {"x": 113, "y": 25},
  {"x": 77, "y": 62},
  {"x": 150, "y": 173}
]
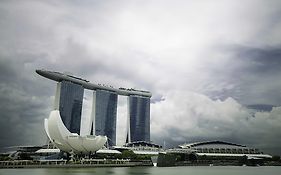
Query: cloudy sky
[{"x": 214, "y": 67}]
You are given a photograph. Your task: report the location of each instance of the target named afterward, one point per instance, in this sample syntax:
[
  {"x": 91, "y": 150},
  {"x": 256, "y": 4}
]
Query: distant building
[
  {"x": 223, "y": 149},
  {"x": 69, "y": 100},
  {"x": 105, "y": 114},
  {"x": 138, "y": 119}
]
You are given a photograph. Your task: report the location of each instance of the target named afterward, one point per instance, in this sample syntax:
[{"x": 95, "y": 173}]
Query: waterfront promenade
[{"x": 70, "y": 164}]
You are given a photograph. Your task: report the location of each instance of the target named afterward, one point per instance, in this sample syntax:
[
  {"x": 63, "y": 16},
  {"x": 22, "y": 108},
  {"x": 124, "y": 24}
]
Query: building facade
[
  {"x": 138, "y": 119},
  {"x": 69, "y": 100},
  {"x": 105, "y": 114},
  {"x": 223, "y": 149}
]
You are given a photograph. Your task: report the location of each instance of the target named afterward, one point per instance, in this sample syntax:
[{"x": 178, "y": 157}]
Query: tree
[
  {"x": 128, "y": 154},
  {"x": 275, "y": 158}
]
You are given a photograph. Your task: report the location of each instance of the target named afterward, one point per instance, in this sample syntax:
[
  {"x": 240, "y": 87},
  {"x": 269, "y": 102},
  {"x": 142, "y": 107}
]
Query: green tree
[
  {"x": 128, "y": 154},
  {"x": 275, "y": 158}
]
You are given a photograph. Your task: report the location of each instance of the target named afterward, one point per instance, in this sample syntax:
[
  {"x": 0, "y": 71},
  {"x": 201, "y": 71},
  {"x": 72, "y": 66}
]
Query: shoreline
[
  {"x": 130, "y": 164},
  {"x": 71, "y": 166},
  {"x": 64, "y": 164}
]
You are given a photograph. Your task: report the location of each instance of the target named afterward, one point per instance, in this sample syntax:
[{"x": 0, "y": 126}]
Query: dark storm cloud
[
  {"x": 261, "y": 107},
  {"x": 250, "y": 75},
  {"x": 261, "y": 74},
  {"x": 262, "y": 61},
  {"x": 22, "y": 104}
]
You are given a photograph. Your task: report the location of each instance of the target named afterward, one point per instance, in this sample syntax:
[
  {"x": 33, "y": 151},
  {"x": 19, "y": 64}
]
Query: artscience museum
[{"x": 66, "y": 141}]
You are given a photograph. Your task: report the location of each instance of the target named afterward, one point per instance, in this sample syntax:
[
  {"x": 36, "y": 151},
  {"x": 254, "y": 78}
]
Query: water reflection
[
  {"x": 97, "y": 171},
  {"x": 79, "y": 171},
  {"x": 147, "y": 171},
  {"x": 138, "y": 170}
]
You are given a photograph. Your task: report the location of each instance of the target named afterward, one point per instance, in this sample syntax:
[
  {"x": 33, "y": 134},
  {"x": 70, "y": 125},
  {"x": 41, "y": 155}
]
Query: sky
[{"x": 213, "y": 67}]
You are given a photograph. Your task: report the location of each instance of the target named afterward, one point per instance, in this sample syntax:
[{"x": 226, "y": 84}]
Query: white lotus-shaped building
[{"x": 66, "y": 141}]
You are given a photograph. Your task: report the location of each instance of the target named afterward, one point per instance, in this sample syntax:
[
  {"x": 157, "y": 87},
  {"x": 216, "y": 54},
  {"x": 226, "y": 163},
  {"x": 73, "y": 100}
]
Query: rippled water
[{"x": 192, "y": 170}]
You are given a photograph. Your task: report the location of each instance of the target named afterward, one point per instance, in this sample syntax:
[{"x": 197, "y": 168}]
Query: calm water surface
[{"x": 201, "y": 170}]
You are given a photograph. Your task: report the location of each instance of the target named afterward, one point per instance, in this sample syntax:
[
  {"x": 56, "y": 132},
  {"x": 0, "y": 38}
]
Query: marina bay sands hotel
[{"x": 69, "y": 100}]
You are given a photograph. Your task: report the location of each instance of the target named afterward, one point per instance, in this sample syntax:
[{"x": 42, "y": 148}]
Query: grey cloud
[
  {"x": 205, "y": 119},
  {"x": 261, "y": 107},
  {"x": 248, "y": 74},
  {"x": 263, "y": 61},
  {"x": 264, "y": 64},
  {"x": 22, "y": 108}
]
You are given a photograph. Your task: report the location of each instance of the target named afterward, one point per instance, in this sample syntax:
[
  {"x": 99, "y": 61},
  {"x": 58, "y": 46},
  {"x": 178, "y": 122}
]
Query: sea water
[{"x": 183, "y": 170}]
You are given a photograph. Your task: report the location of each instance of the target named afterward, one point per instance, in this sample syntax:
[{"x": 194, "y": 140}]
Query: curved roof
[
  {"x": 250, "y": 156},
  {"x": 209, "y": 143}
]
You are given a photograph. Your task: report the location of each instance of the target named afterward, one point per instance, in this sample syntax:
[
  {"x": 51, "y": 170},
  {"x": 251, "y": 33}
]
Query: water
[{"x": 191, "y": 170}]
